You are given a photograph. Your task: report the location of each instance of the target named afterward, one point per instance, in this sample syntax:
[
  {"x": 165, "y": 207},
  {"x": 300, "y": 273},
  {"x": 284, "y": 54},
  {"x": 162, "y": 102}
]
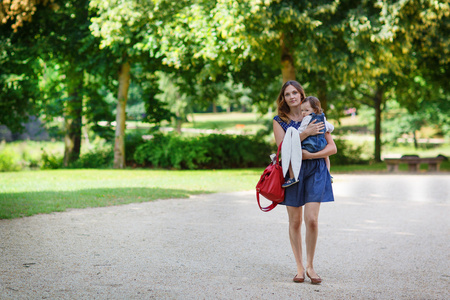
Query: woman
[{"x": 314, "y": 184}]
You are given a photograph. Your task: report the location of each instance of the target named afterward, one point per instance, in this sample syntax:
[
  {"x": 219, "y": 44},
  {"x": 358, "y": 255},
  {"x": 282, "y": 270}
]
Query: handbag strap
[
  {"x": 274, "y": 204},
  {"x": 278, "y": 152},
  {"x": 268, "y": 208}
]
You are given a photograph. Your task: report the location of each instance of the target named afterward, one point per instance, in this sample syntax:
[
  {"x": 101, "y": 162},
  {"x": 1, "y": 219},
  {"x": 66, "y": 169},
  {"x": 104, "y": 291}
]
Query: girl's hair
[
  {"x": 315, "y": 104},
  {"x": 282, "y": 106}
]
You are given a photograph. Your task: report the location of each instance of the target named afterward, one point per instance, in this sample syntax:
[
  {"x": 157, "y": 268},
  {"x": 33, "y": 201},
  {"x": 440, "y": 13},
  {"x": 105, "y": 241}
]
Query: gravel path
[{"x": 385, "y": 237}]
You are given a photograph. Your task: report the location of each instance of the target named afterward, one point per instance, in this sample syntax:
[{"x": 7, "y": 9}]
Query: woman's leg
[
  {"x": 312, "y": 232},
  {"x": 295, "y": 236}
]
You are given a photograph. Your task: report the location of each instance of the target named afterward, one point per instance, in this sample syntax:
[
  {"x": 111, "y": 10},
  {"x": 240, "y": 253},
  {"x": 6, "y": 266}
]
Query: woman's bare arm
[
  {"x": 329, "y": 149},
  {"x": 278, "y": 132}
]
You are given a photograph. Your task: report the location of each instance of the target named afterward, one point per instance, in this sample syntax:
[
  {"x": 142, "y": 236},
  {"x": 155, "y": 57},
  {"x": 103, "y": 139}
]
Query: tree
[
  {"x": 76, "y": 53},
  {"x": 387, "y": 44},
  {"x": 49, "y": 39},
  {"x": 16, "y": 12},
  {"x": 120, "y": 26},
  {"x": 138, "y": 31},
  {"x": 18, "y": 82},
  {"x": 19, "y": 72}
]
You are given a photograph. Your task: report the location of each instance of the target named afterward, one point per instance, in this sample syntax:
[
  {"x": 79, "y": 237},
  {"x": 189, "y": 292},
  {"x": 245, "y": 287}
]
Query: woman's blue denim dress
[{"x": 314, "y": 180}]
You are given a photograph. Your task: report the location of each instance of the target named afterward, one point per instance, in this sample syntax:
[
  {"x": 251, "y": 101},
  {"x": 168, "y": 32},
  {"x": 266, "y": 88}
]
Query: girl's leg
[
  {"x": 328, "y": 163},
  {"x": 312, "y": 232},
  {"x": 295, "y": 224},
  {"x": 291, "y": 172}
]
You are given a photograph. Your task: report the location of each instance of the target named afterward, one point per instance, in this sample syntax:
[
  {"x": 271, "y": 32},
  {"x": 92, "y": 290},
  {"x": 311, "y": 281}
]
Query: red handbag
[{"x": 269, "y": 185}]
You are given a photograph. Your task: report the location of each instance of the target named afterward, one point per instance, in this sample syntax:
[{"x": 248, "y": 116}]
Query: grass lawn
[
  {"x": 28, "y": 193},
  {"x": 235, "y": 121}
]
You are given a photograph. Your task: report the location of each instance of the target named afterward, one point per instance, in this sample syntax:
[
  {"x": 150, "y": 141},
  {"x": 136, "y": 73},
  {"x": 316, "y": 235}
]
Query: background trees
[
  {"x": 129, "y": 29},
  {"x": 78, "y": 59}
]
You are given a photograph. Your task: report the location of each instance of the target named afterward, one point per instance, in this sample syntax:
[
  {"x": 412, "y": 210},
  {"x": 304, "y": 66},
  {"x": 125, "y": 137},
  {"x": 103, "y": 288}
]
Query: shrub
[
  {"x": 100, "y": 157},
  {"x": 213, "y": 151},
  {"x": 237, "y": 151},
  {"x": 172, "y": 151},
  {"x": 51, "y": 160},
  {"x": 152, "y": 152},
  {"x": 132, "y": 141},
  {"x": 30, "y": 159},
  {"x": 9, "y": 161},
  {"x": 347, "y": 154}
]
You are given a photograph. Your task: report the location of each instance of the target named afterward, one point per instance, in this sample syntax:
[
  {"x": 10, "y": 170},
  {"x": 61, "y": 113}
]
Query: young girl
[
  {"x": 314, "y": 186},
  {"x": 311, "y": 110}
]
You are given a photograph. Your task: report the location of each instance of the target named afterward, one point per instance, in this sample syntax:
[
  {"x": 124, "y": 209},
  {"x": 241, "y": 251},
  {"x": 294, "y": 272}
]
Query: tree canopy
[{"x": 348, "y": 53}]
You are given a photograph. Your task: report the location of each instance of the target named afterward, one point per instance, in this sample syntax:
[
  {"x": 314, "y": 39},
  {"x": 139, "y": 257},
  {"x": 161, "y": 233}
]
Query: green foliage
[
  {"x": 346, "y": 154},
  {"x": 132, "y": 141},
  {"x": 51, "y": 160},
  {"x": 142, "y": 103},
  {"x": 9, "y": 161},
  {"x": 238, "y": 151},
  {"x": 101, "y": 156},
  {"x": 215, "y": 51},
  {"x": 98, "y": 109},
  {"x": 98, "y": 158},
  {"x": 18, "y": 82},
  {"x": 203, "y": 152},
  {"x": 179, "y": 102},
  {"x": 171, "y": 151}
]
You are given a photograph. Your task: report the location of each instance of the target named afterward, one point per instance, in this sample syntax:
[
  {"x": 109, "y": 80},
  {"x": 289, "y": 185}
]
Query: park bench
[{"x": 414, "y": 162}]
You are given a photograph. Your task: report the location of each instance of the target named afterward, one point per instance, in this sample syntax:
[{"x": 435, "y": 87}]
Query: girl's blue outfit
[
  {"x": 315, "y": 143},
  {"x": 314, "y": 180}
]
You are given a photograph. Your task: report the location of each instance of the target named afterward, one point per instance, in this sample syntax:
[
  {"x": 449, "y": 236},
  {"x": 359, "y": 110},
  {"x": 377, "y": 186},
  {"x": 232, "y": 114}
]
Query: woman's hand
[
  {"x": 313, "y": 128},
  {"x": 306, "y": 154}
]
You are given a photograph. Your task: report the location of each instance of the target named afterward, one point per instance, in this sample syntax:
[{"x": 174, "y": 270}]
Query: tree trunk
[
  {"x": 178, "y": 123},
  {"x": 416, "y": 144},
  {"x": 72, "y": 118},
  {"x": 214, "y": 106},
  {"x": 377, "y": 105},
  {"x": 287, "y": 61},
  {"x": 119, "y": 143}
]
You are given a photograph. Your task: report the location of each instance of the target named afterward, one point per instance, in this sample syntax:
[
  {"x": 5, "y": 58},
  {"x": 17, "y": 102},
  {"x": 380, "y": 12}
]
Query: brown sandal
[
  {"x": 299, "y": 279},
  {"x": 315, "y": 280}
]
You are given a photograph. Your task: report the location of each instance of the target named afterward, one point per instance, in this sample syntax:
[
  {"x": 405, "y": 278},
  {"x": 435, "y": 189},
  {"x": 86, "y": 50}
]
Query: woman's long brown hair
[{"x": 282, "y": 106}]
